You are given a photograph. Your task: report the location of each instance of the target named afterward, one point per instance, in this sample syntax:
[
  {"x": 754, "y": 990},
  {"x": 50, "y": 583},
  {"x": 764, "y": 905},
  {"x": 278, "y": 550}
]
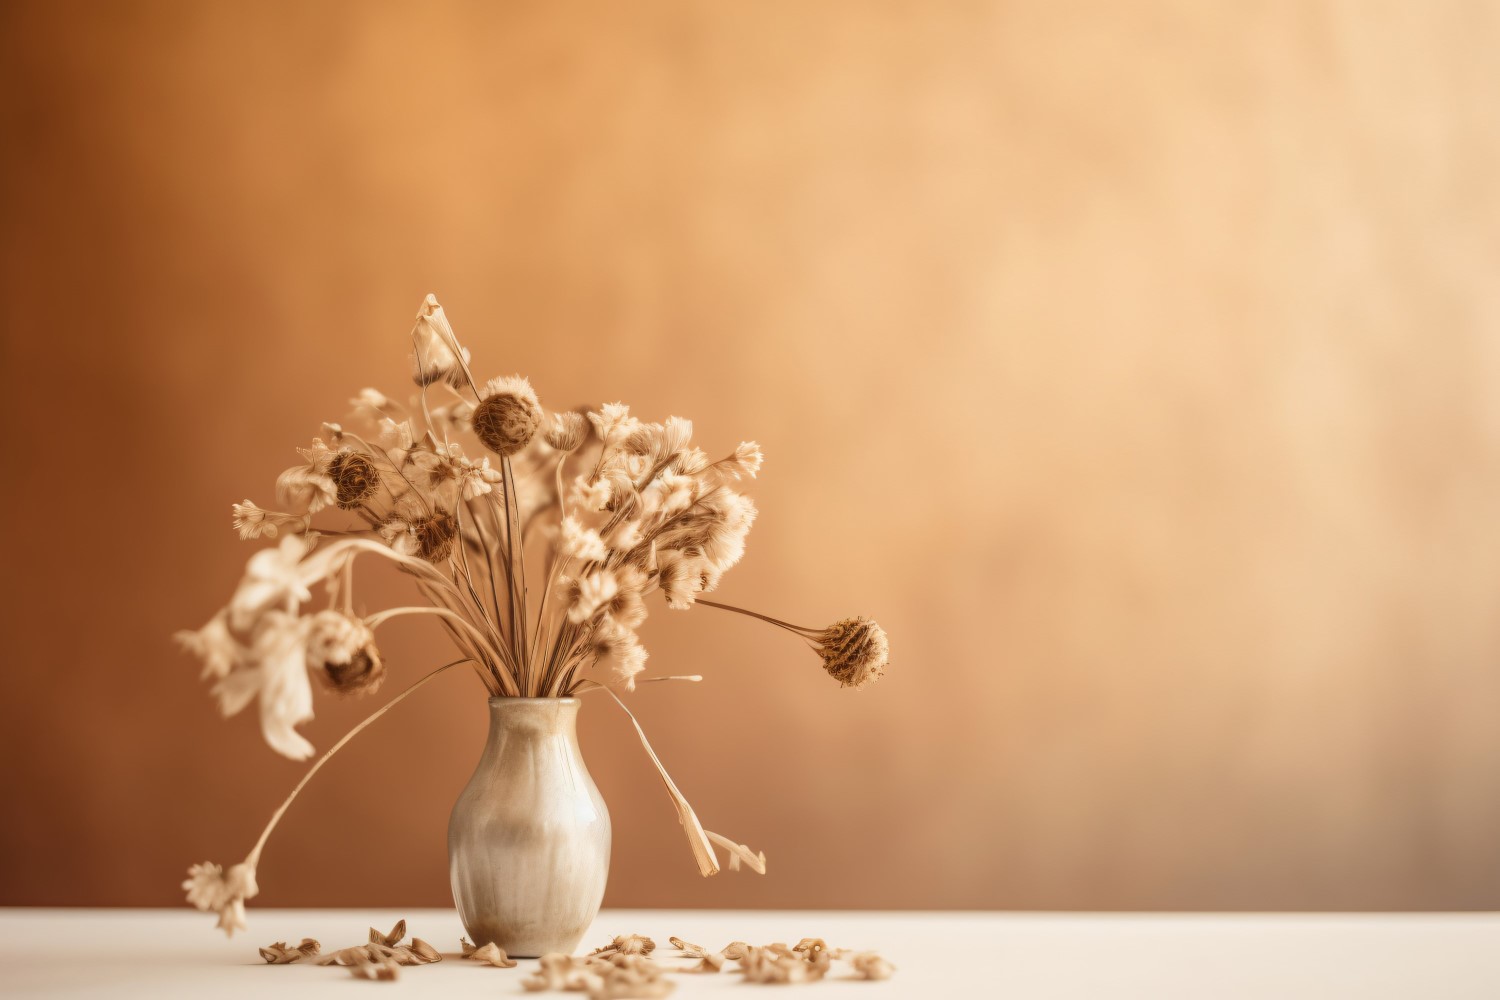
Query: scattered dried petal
[
  {"x": 280, "y": 954},
  {"x": 493, "y": 954},
  {"x": 393, "y": 938},
  {"x": 424, "y": 951},
  {"x": 871, "y": 966}
]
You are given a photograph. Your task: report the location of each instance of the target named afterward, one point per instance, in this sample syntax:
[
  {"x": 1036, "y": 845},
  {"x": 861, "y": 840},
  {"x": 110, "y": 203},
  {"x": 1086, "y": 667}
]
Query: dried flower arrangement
[{"x": 611, "y": 508}]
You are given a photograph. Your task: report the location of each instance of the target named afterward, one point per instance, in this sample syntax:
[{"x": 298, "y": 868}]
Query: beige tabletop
[{"x": 177, "y": 953}]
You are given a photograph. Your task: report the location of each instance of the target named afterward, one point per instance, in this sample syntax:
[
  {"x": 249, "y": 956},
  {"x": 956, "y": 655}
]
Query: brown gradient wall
[{"x": 1135, "y": 364}]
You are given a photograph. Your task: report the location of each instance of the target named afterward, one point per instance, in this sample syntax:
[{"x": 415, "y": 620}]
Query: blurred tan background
[{"x": 1134, "y": 364}]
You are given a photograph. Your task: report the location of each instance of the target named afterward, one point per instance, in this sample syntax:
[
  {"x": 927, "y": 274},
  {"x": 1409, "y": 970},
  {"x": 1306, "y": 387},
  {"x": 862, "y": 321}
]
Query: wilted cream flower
[
  {"x": 275, "y": 671},
  {"x": 214, "y": 645},
  {"x": 272, "y": 579},
  {"x": 588, "y": 593},
  {"x": 579, "y": 542},
  {"x": 507, "y": 416},
  {"x": 477, "y": 479},
  {"x": 211, "y": 889},
  {"x": 308, "y": 487},
  {"x": 566, "y": 431},
  {"x": 434, "y": 346},
  {"x": 591, "y": 496},
  {"x": 613, "y": 423},
  {"x": 251, "y": 522},
  {"x": 370, "y": 402},
  {"x": 341, "y": 648},
  {"x": 855, "y": 651}
]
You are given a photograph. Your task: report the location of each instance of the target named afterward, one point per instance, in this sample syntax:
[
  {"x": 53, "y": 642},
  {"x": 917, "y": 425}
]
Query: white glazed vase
[{"x": 528, "y": 842}]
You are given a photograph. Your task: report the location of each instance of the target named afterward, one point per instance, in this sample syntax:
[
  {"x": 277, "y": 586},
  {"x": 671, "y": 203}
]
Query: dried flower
[
  {"x": 613, "y": 423},
  {"x": 855, "y": 651},
  {"x": 477, "y": 479},
  {"x": 493, "y": 954},
  {"x": 214, "y": 645},
  {"x": 251, "y": 522},
  {"x": 210, "y": 888},
  {"x": 341, "y": 649},
  {"x": 429, "y": 536},
  {"x": 566, "y": 431},
  {"x": 308, "y": 487},
  {"x": 627, "y": 944},
  {"x": 507, "y": 416},
  {"x": 273, "y": 579},
  {"x": 589, "y": 495},
  {"x": 582, "y": 543},
  {"x": 355, "y": 479},
  {"x": 434, "y": 346},
  {"x": 589, "y": 593},
  {"x": 280, "y": 954}
]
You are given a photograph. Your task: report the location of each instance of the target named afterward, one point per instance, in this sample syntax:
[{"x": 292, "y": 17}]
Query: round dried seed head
[
  {"x": 341, "y": 650},
  {"x": 855, "y": 651},
  {"x": 355, "y": 479},
  {"x": 506, "y": 422}
]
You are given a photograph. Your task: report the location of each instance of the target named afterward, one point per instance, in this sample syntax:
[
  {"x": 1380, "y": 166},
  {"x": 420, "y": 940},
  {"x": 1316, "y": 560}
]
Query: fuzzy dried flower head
[
  {"x": 855, "y": 651},
  {"x": 588, "y": 593},
  {"x": 210, "y": 888},
  {"x": 355, "y": 479},
  {"x": 507, "y": 416},
  {"x": 566, "y": 431}
]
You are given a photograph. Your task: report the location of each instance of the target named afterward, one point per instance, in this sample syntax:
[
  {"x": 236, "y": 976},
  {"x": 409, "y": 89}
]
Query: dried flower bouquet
[{"x": 611, "y": 509}]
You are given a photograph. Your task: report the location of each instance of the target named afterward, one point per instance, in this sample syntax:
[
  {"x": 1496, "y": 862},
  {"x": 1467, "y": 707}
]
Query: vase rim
[{"x": 507, "y": 700}]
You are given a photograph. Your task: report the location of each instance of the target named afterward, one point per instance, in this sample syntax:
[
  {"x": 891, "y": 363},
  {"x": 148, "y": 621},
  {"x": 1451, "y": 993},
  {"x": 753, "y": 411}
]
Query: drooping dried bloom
[
  {"x": 566, "y": 431},
  {"x": 341, "y": 650},
  {"x": 855, "y": 651},
  {"x": 429, "y": 536},
  {"x": 308, "y": 487},
  {"x": 355, "y": 479},
  {"x": 507, "y": 416},
  {"x": 433, "y": 344},
  {"x": 210, "y": 888}
]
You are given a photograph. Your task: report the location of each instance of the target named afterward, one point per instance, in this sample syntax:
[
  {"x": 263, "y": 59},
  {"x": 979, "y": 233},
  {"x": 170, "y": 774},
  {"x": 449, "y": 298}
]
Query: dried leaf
[
  {"x": 871, "y": 966},
  {"x": 393, "y": 938},
  {"x": 736, "y": 951},
  {"x": 493, "y": 954},
  {"x": 467, "y": 946},
  {"x": 280, "y": 954}
]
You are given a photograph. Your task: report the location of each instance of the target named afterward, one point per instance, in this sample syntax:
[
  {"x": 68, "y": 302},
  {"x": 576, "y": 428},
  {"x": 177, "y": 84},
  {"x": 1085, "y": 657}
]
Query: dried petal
[
  {"x": 871, "y": 966},
  {"x": 425, "y": 952},
  {"x": 493, "y": 954},
  {"x": 393, "y": 938},
  {"x": 688, "y": 948},
  {"x": 281, "y": 954}
]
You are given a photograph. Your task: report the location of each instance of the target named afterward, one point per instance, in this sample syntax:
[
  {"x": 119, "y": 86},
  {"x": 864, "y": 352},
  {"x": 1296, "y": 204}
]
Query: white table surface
[{"x": 177, "y": 953}]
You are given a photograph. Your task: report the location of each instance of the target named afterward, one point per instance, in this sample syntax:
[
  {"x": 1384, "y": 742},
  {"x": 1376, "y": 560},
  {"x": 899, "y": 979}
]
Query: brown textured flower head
[
  {"x": 341, "y": 649},
  {"x": 855, "y": 651},
  {"x": 355, "y": 479},
  {"x": 508, "y": 416},
  {"x": 435, "y": 534}
]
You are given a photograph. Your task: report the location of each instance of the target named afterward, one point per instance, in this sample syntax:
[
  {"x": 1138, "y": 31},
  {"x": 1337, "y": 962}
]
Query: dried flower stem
[
  {"x": 253, "y": 858},
  {"x": 703, "y": 851}
]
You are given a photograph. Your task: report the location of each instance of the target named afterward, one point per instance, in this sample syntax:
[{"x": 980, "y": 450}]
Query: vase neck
[{"x": 535, "y": 718}]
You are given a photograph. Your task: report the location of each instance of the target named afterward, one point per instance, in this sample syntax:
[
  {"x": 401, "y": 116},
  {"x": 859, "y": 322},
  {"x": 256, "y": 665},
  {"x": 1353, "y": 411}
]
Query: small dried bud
[
  {"x": 566, "y": 431},
  {"x": 342, "y": 650},
  {"x": 355, "y": 479},
  {"x": 855, "y": 651},
  {"x": 433, "y": 344},
  {"x": 508, "y": 416}
]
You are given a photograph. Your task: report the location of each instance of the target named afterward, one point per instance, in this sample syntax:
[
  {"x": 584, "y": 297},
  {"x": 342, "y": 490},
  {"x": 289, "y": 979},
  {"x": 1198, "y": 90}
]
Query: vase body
[{"x": 529, "y": 839}]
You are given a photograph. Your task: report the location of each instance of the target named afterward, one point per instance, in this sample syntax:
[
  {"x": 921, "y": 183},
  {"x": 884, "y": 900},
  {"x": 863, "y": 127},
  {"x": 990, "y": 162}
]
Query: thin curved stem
[
  {"x": 755, "y": 614},
  {"x": 252, "y": 860},
  {"x": 381, "y": 617}
]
